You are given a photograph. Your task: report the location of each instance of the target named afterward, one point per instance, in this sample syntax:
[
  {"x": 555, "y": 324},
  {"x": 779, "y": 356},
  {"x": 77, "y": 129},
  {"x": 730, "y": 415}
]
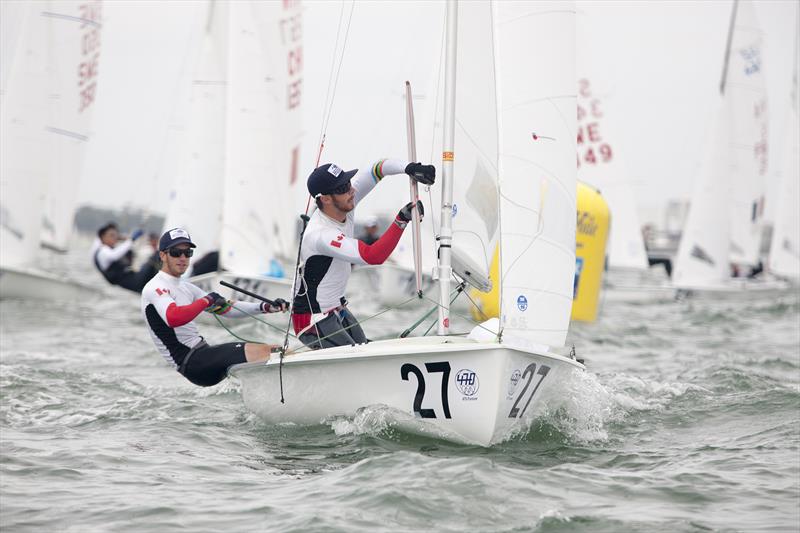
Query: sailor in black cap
[
  {"x": 319, "y": 314},
  {"x": 170, "y": 304}
]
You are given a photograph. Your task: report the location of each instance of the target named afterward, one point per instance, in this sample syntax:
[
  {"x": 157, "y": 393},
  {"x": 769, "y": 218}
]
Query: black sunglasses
[
  {"x": 342, "y": 189},
  {"x": 177, "y": 252}
]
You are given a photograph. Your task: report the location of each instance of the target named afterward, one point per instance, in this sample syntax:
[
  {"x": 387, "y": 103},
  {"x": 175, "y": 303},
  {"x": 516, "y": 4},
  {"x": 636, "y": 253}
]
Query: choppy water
[{"x": 688, "y": 419}]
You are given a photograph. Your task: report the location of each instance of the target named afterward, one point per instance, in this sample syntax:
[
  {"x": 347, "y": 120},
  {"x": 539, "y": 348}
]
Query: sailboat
[
  {"x": 784, "y": 254},
  {"x": 500, "y": 188},
  {"x": 239, "y": 162},
  {"x": 46, "y": 107},
  {"x": 726, "y": 214}
]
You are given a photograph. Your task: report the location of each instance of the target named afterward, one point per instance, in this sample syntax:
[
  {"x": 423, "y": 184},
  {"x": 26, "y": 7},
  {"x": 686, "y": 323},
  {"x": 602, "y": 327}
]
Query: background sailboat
[
  {"x": 784, "y": 253},
  {"x": 48, "y": 91},
  {"x": 725, "y": 219},
  {"x": 233, "y": 191}
]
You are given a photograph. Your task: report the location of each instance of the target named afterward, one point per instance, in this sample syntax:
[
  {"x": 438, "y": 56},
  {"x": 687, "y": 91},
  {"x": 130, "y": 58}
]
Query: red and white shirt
[
  {"x": 329, "y": 249},
  {"x": 169, "y": 307}
]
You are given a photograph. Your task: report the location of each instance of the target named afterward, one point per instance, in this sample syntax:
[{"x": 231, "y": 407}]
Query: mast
[
  {"x": 412, "y": 156},
  {"x": 446, "y": 231},
  {"x": 724, "y": 79}
]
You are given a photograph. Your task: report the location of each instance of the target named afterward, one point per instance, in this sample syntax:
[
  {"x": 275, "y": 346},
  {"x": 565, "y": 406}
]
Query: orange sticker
[{"x": 447, "y": 156}]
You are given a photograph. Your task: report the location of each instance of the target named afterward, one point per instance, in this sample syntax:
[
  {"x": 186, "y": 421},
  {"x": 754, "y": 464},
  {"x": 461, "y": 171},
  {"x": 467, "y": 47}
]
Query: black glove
[
  {"x": 404, "y": 216},
  {"x": 425, "y": 174},
  {"x": 278, "y": 304},
  {"x": 215, "y": 300}
]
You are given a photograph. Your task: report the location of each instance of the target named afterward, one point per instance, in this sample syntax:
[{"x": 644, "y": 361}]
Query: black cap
[
  {"x": 327, "y": 178},
  {"x": 174, "y": 237}
]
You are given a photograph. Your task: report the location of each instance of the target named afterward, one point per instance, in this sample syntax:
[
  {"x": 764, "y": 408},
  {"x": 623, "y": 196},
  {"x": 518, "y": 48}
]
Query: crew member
[
  {"x": 114, "y": 259},
  {"x": 319, "y": 314},
  {"x": 170, "y": 304}
]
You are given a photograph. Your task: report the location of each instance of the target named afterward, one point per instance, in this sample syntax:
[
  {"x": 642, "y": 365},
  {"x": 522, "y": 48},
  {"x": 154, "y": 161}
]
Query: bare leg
[{"x": 257, "y": 352}]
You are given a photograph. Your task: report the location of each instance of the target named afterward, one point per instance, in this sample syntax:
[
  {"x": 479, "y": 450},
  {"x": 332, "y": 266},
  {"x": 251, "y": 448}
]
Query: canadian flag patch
[
  {"x": 337, "y": 242},
  {"x": 162, "y": 292}
]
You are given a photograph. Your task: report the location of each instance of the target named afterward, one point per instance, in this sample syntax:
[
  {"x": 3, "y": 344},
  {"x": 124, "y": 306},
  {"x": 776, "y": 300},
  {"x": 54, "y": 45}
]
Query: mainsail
[
  {"x": 745, "y": 89},
  {"x": 514, "y": 176},
  {"x": 537, "y": 171},
  {"x": 784, "y": 254},
  {"x": 196, "y": 194},
  {"x": 73, "y": 59},
  {"x": 23, "y": 155},
  {"x": 264, "y": 96}
]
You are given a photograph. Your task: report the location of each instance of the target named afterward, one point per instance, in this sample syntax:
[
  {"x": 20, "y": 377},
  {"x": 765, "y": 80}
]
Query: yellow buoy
[{"x": 590, "y": 252}]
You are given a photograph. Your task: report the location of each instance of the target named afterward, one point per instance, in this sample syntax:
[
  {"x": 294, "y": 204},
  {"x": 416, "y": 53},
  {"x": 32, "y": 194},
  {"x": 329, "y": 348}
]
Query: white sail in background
[
  {"x": 702, "y": 260},
  {"x": 197, "y": 190},
  {"x": 74, "y": 43},
  {"x": 599, "y": 160},
  {"x": 537, "y": 176},
  {"x": 784, "y": 254},
  {"x": 261, "y": 101},
  {"x": 23, "y": 156},
  {"x": 745, "y": 89}
]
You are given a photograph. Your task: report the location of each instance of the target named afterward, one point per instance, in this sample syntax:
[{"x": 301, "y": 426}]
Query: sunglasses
[
  {"x": 177, "y": 252},
  {"x": 342, "y": 189}
]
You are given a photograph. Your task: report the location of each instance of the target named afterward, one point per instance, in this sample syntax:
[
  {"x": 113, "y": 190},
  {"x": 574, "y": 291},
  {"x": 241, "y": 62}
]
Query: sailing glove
[
  {"x": 136, "y": 234},
  {"x": 404, "y": 216},
  {"x": 278, "y": 304},
  {"x": 425, "y": 174},
  {"x": 216, "y": 303}
]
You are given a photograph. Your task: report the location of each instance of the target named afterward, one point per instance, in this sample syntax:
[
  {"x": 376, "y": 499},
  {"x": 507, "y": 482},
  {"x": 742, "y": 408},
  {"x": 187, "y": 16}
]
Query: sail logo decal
[
  {"x": 467, "y": 383},
  {"x": 522, "y": 302},
  {"x": 752, "y": 60},
  {"x": 455, "y": 210},
  {"x": 512, "y": 383},
  {"x": 586, "y": 223},
  {"x": 576, "y": 283}
]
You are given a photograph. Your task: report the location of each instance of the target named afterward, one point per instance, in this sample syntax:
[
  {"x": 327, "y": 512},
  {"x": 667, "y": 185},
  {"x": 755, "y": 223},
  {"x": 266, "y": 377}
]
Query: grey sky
[{"x": 665, "y": 59}]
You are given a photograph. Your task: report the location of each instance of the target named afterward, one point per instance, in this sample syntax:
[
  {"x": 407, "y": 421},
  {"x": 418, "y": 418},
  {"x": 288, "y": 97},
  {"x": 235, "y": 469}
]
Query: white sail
[
  {"x": 745, "y": 89},
  {"x": 196, "y": 196},
  {"x": 74, "y": 44},
  {"x": 23, "y": 159},
  {"x": 600, "y": 163},
  {"x": 475, "y": 195},
  {"x": 702, "y": 260},
  {"x": 260, "y": 103},
  {"x": 784, "y": 258},
  {"x": 538, "y": 176}
]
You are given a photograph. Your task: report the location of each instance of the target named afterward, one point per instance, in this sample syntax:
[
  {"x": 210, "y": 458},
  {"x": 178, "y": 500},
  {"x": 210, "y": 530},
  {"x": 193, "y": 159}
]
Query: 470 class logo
[{"x": 467, "y": 382}]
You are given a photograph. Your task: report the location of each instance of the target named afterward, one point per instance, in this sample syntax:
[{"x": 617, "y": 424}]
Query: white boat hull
[
  {"x": 32, "y": 284},
  {"x": 738, "y": 288},
  {"x": 489, "y": 393}
]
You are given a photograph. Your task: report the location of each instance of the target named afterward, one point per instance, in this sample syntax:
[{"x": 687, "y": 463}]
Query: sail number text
[
  {"x": 530, "y": 371},
  {"x": 444, "y": 367}
]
